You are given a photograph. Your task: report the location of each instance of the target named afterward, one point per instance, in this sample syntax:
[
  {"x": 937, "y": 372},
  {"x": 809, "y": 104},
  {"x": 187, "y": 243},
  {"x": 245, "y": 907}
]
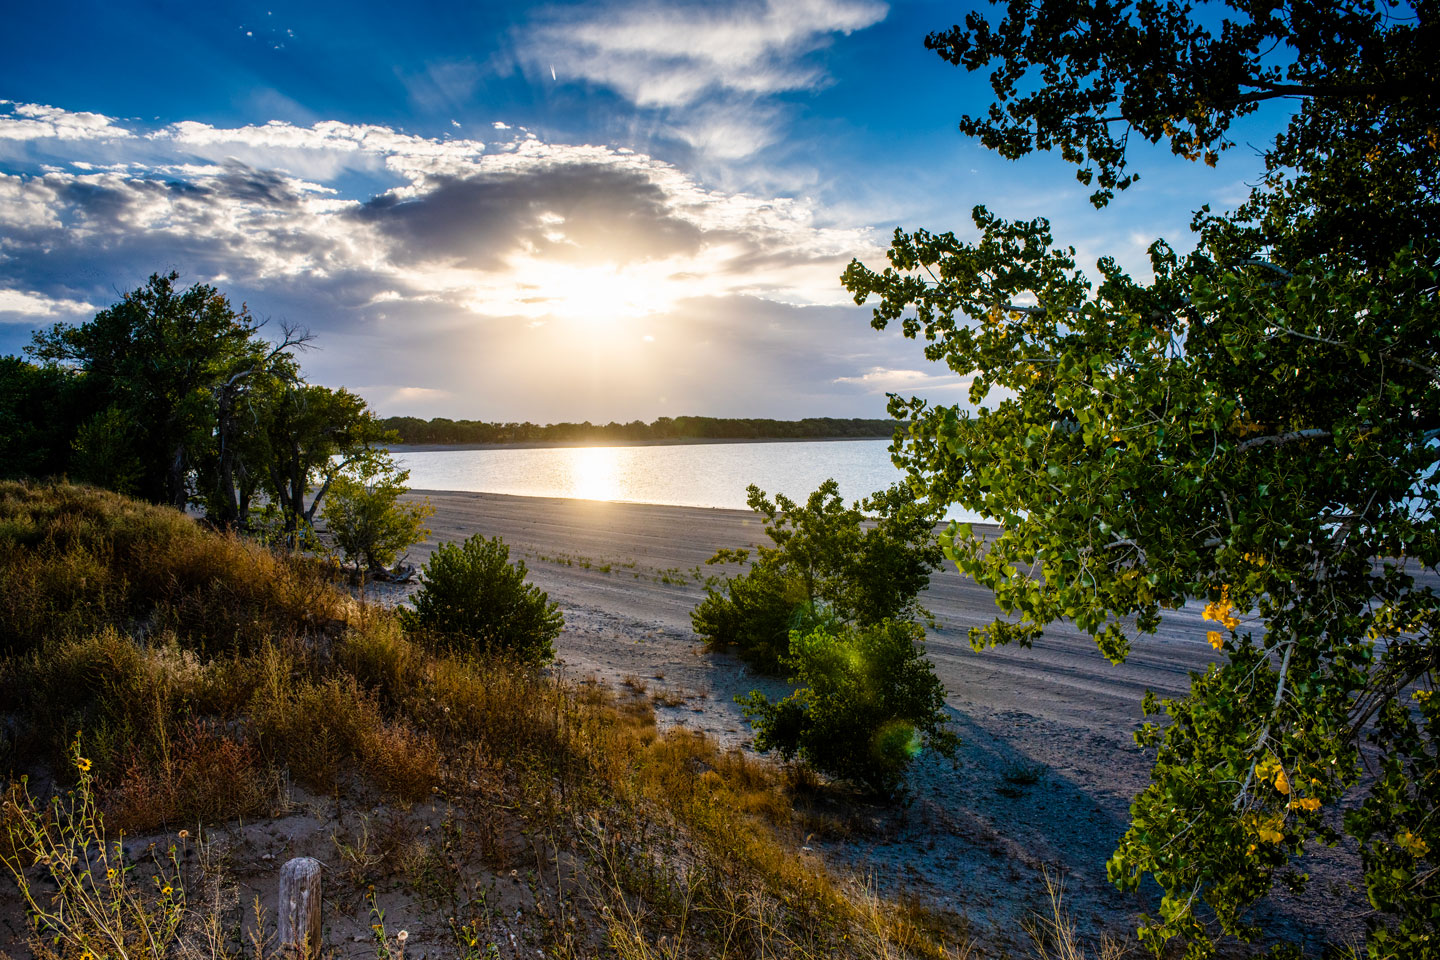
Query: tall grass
[{"x": 203, "y": 673}]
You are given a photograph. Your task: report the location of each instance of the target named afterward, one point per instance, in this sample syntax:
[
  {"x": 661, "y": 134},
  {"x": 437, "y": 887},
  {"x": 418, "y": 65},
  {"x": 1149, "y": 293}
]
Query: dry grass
[{"x": 201, "y": 672}]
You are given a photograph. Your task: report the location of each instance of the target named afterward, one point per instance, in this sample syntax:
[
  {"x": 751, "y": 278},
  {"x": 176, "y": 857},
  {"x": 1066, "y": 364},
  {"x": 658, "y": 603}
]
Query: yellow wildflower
[
  {"x": 83, "y": 764},
  {"x": 165, "y": 891}
]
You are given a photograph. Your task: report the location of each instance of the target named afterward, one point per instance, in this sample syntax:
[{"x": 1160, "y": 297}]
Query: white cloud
[
  {"x": 886, "y": 380},
  {"x": 668, "y": 55},
  {"x": 34, "y": 121},
  {"x": 19, "y": 307},
  {"x": 683, "y": 58},
  {"x": 413, "y": 394},
  {"x": 26, "y": 204},
  {"x": 729, "y": 131}
]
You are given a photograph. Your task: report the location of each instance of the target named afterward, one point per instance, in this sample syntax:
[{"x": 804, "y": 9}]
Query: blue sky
[{"x": 526, "y": 211}]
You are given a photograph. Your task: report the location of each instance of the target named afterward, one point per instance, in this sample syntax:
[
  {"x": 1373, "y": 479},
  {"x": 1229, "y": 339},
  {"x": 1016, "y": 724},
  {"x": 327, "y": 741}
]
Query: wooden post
[{"x": 298, "y": 919}]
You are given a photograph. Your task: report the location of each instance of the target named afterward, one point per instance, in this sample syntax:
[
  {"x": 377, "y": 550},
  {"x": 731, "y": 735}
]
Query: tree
[
  {"x": 472, "y": 599},
  {"x": 868, "y": 703},
  {"x": 864, "y": 563},
  {"x": 38, "y": 418},
  {"x": 1254, "y": 428},
  {"x": 307, "y": 438},
  {"x": 175, "y": 362},
  {"x": 366, "y": 519}
]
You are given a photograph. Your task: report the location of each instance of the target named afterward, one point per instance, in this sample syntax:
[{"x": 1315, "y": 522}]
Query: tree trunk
[{"x": 179, "y": 497}]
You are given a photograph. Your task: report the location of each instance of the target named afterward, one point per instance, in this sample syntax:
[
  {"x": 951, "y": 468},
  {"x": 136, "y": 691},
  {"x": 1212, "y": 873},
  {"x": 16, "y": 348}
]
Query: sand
[{"x": 968, "y": 839}]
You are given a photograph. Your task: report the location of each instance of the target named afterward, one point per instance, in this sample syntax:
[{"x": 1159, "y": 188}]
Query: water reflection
[
  {"x": 594, "y": 473},
  {"x": 695, "y": 475}
]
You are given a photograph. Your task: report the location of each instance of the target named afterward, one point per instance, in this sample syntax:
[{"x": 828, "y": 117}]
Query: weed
[
  {"x": 103, "y": 904},
  {"x": 384, "y": 949},
  {"x": 1054, "y": 934},
  {"x": 359, "y": 858}
]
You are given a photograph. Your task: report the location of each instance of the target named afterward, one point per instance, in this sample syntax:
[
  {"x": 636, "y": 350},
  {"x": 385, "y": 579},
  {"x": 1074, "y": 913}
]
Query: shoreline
[
  {"x": 989, "y": 529},
  {"x": 567, "y": 444}
]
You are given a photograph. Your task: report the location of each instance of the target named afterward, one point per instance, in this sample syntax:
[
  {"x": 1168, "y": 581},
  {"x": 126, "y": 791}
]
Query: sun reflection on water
[{"x": 594, "y": 473}]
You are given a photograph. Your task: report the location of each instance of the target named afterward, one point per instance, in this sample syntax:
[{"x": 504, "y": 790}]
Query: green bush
[
  {"x": 753, "y": 613},
  {"x": 868, "y": 703},
  {"x": 859, "y": 564},
  {"x": 473, "y": 599}
]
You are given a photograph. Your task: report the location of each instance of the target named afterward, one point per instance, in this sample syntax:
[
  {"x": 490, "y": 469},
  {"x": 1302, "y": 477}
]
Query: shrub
[
  {"x": 860, "y": 564},
  {"x": 472, "y": 599},
  {"x": 753, "y": 613},
  {"x": 868, "y": 703}
]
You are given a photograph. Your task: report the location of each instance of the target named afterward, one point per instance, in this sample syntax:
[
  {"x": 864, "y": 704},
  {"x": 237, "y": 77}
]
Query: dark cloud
[
  {"x": 602, "y": 212},
  {"x": 249, "y": 185}
]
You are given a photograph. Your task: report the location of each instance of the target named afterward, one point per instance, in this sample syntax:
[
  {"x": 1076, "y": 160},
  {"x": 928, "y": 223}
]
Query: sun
[
  {"x": 604, "y": 294},
  {"x": 596, "y": 295}
]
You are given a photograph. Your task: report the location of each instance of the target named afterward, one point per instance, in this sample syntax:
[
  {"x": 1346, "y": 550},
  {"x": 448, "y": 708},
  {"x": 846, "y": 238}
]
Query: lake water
[{"x": 691, "y": 475}]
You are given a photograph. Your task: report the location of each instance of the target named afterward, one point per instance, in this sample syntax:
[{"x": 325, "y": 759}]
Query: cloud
[
  {"x": 729, "y": 131},
  {"x": 707, "y": 67},
  {"x": 521, "y": 230},
  {"x": 19, "y": 307},
  {"x": 670, "y": 55},
  {"x": 564, "y": 211},
  {"x": 885, "y": 380},
  {"x": 34, "y": 121}
]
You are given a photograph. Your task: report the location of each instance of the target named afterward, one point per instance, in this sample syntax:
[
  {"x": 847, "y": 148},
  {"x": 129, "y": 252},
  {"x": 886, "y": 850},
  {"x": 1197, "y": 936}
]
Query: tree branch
[{"x": 1280, "y": 439}]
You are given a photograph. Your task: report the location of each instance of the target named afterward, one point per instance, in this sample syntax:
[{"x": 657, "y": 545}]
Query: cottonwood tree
[
  {"x": 307, "y": 437},
  {"x": 1254, "y": 428},
  {"x": 176, "y": 366}
]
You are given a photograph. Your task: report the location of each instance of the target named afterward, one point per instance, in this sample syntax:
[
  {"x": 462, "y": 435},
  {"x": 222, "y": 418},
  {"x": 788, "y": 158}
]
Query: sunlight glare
[
  {"x": 594, "y": 473},
  {"x": 600, "y": 295}
]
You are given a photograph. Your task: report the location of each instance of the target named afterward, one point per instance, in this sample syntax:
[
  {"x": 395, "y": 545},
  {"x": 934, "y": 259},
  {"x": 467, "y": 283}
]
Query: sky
[{"x": 527, "y": 211}]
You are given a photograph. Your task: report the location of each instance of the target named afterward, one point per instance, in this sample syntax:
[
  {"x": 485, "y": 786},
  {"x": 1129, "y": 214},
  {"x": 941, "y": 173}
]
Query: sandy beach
[{"x": 971, "y": 839}]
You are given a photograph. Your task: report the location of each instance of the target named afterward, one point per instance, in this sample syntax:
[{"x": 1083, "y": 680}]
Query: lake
[{"x": 690, "y": 475}]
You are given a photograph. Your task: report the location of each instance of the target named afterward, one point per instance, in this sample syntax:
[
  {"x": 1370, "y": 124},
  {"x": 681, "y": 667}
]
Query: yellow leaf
[
  {"x": 1412, "y": 844},
  {"x": 1216, "y": 638},
  {"x": 1281, "y": 783}
]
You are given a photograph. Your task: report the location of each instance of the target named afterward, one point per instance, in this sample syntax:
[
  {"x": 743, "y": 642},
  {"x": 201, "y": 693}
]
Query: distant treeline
[{"x": 445, "y": 430}]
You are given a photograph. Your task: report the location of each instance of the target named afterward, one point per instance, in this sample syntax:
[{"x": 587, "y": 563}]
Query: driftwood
[{"x": 298, "y": 915}]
